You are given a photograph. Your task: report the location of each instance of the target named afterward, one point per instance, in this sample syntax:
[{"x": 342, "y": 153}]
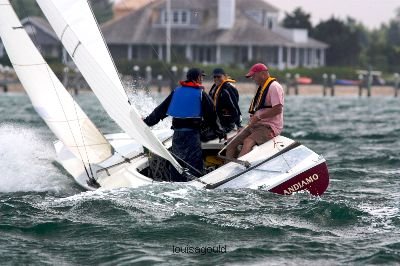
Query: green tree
[
  {"x": 393, "y": 43},
  {"x": 297, "y": 19},
  {"x": 26, "y": 8},
  {"x": 343, "y": 40},
  {"x": 363, "y": 38},
  {"x": 102, "y": 10},
  {"x": 376, "y": 52}
]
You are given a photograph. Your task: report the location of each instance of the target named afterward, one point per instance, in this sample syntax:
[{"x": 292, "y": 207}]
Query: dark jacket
[
  {"x": 207, "y": 108},
  {"x": 226, "y": 102}
]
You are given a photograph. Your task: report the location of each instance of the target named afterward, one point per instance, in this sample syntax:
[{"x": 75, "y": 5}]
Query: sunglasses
[{"x": 217, "y": 77}]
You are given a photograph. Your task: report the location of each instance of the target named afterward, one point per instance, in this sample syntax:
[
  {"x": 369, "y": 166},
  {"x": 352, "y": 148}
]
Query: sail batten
[
  {"x": 48, "y": 96},
  {"x": 76, "y": 27}
]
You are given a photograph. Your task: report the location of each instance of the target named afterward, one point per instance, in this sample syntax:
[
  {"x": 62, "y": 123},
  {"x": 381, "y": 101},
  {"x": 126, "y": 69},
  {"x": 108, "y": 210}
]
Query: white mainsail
[
  {"x": 49, "y": 97},
  {"x": 75, "y": 25}
]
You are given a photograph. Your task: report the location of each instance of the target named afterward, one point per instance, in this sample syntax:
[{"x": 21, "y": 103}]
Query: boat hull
[
  {"x": 314, "y": 180},
  {"x": 297, "y": 169}
]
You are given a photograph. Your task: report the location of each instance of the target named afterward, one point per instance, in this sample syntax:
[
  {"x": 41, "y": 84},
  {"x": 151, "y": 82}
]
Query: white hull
[{"x": 295, "y": 170}]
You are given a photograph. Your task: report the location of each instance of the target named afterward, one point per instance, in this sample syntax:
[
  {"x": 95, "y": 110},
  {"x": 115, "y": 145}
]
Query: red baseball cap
[{"x": 255, "y": 69}]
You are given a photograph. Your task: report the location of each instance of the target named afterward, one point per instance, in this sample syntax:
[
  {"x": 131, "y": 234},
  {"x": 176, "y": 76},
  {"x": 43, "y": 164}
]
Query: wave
[{"x": 27, "y": 162}]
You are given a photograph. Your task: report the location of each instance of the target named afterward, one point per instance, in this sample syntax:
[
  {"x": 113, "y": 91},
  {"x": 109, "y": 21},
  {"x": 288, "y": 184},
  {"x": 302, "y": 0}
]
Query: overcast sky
[{"x": 370, "y": 12}]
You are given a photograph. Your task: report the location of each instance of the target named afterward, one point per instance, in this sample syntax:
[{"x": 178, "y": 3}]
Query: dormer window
[
  {"x": 256, "y": 15},
  {"x": 178, "y": 17},
  {"x": 264, "y": 18}
]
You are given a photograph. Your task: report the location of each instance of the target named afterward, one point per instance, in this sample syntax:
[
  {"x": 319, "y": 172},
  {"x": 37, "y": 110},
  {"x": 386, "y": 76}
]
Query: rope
[
  {"x": 187, "y": 164},
  {"x": 65, "y": 115}
]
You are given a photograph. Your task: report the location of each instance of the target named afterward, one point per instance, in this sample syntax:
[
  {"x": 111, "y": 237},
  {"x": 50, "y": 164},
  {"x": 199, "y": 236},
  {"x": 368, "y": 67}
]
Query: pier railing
[{"x": 367, "y": 83}]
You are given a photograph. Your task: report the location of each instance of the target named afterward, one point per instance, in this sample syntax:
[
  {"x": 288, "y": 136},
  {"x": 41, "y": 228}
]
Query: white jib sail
[
  {"x": 75, "y": 25},
  {"x": 49, "y": 97}
]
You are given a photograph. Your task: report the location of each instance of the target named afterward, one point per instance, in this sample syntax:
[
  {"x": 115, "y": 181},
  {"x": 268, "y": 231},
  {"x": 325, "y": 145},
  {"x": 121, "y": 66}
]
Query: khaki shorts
[{"x": 259, "y": 134}]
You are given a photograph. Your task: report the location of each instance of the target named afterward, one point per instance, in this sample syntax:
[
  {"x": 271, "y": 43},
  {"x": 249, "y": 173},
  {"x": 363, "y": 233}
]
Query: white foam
[
  {"x": 145, "y": 104},
  {"x": 26, "y": 162}
]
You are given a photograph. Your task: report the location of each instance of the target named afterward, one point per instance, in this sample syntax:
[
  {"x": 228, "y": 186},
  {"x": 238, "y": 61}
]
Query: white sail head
[
  {"x": 75, "y": 25},
  {"x": 50, "y": 99}
]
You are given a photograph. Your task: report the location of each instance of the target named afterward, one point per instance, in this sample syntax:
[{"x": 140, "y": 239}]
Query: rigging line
[
  {"x": 108, "y": 50},
  {"x": 75, "y": 35},
  {"x": 226, "y": 180},
  {"x": 140, "y": 154},
  {"x": 80, "y": 128},
  {"x": 62, "y": 107},
  {"x": 166, "y": 68},
  {"x": 283, "y": 157},
  {"x": 70, "y": 128},
  {"x": 83, "y": 139},
  {"x": 26, "y": 65},
  {"x": 173, "y": 53},
  {"x": 126, "y": 160},
  {"x": 67, "y": 25},
  {"x": 187, "y": 164}
]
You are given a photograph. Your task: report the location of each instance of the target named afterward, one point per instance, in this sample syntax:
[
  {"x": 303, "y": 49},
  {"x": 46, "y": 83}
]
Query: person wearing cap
[
  {"x": 226, "y": 104},
  {"x": 226, "y": 100},
  {"x": 190, "y": 107},
  {"x": 266, "y": 113}
]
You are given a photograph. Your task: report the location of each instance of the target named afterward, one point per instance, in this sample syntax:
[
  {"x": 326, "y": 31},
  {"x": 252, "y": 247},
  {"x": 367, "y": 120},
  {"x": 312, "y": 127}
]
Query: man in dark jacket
[
  {"x": 226, "y": 104},
  {"x": 189, "y": 106},
  {"x": 226, "y": 100}
]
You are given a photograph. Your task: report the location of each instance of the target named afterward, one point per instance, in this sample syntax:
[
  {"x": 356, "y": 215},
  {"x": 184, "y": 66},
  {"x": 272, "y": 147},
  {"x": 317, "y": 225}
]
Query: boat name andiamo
[{"x": 299, "y": 185}]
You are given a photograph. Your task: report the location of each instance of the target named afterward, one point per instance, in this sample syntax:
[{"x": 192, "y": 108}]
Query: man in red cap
[{"x": 266, "y": 113}]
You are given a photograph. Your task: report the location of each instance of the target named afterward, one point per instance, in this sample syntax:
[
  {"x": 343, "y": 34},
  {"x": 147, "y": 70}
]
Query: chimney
[{"x": 226, "y": 14}]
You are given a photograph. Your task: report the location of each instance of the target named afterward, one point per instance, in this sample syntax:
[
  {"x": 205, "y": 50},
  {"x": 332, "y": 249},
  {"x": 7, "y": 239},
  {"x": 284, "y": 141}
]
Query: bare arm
[{"x": 266, "y": 113}]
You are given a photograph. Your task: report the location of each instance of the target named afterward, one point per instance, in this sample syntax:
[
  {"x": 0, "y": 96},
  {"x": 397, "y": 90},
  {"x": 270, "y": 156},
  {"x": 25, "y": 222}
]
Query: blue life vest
[{"x": 185, "y": 103}]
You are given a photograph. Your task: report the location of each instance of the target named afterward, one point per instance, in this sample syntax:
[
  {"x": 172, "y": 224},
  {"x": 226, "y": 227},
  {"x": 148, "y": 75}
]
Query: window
[
  {"x": 175, "y": 16},
  {"x": 270, "y": 23},
  {"x": 184, "y": 17},
  {"x": 255, "y": 15},
  {"x": 178, "y": 17}
]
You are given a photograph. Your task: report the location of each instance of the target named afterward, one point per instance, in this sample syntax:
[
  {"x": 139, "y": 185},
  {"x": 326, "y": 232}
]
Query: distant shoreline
[{"x": 247, "y": 88}]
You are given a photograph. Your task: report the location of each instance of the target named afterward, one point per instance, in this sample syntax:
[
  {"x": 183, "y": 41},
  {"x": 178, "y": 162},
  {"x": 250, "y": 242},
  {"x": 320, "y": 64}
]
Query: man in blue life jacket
[{"x": 190, "y": 107}]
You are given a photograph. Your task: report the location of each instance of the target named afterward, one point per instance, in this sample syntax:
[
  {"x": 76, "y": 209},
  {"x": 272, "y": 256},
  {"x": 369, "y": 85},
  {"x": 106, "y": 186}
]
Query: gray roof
[
  {"x": 212, "y": 4},
  {"x": 42, "y": 24},
  {"x": 137, "y": 27}
]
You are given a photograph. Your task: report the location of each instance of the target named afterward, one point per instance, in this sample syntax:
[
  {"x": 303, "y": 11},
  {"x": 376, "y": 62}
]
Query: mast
[
  {"x": 168, "y": 31},
  {"x": 76, "y": 27}
]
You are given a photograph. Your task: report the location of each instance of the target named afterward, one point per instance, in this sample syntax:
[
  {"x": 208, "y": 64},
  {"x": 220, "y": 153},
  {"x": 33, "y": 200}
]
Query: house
[
  {"x": 124, "y": 7},
  {"x": 212, "y": 32},
  {"x": 43, "y": 37}
]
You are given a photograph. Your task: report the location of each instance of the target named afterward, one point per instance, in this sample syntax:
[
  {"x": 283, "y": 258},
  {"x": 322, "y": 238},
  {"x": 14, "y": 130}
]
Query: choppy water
[{"x": 46, "y": 219}]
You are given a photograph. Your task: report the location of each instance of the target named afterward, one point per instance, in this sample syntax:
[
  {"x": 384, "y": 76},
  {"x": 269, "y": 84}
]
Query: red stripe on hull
[{"x": 315, "y": 180}]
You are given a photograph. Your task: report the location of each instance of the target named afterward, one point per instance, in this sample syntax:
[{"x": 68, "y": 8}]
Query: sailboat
[{"x": 126, "y": 159}]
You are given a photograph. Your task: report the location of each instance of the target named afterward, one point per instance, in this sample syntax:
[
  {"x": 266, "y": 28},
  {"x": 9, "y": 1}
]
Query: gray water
[{"x": 45, "y": 218}]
